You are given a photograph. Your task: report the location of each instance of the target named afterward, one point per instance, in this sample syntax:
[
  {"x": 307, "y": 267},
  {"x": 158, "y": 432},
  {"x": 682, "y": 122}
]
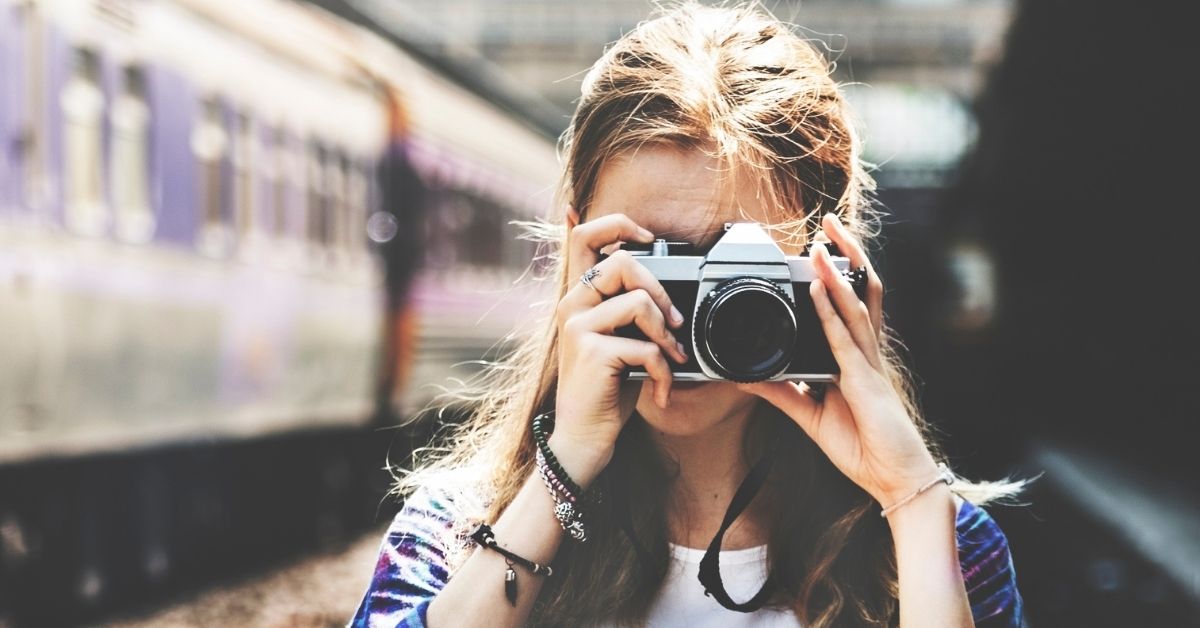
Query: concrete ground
[{"x": 318, "y": 591}]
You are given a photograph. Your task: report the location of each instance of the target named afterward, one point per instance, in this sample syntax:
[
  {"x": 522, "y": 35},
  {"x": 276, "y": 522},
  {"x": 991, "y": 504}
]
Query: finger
[
  {"x": 586, "y": 240},
  {"x": 853, "y": 250},
  {"x": 630, "y": 308},
  {"x": 790, "y": 397},
  {"x": 620, "y": 273},
  {"x": 630, "y": 352},
  {"x": 852, "y": 311},
  {"x": 825, "y": 428},
  {"x": 845, "y": 350}
]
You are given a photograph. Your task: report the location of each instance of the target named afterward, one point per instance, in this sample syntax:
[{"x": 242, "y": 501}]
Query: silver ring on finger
[{"x": 587, "y": 277}]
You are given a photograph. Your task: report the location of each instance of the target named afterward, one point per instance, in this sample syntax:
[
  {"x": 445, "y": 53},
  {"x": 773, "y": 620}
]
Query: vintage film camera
[{"x": 747, "y": 313}]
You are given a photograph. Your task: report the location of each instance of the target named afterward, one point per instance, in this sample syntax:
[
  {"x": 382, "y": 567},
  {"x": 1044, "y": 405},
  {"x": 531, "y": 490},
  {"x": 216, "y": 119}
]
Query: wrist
[
  {"x": 906, "y": 481},
  {"x": 931, "y": 508},
  {"x": 581, "y": 459}
]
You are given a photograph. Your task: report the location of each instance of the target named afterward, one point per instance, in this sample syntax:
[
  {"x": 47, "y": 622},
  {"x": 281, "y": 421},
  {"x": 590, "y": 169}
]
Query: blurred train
[{"x": 194, "y": 236}]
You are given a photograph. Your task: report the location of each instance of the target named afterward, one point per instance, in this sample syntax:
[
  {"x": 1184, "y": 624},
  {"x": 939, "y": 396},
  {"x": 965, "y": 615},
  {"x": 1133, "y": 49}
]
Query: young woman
[{"x": 700, "y": 117}]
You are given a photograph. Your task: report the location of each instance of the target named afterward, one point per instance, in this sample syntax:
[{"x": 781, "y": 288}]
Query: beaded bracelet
[
  {"x": 569, "y": 516},
  {"x": 543, "y": 426},
  {"x": 568, "y": 496},
  {"x": 551, "y": 480}
]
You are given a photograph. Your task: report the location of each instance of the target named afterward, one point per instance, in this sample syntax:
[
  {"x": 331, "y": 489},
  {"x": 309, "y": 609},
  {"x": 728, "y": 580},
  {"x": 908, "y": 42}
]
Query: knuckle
[
  {"x": 643, "y": 299},
  {"x": 572, "y": 327},
  {"x": 658, "y": 366},
  {"x": 588, "y": 346},
  {"x": 660, "y": 293}
]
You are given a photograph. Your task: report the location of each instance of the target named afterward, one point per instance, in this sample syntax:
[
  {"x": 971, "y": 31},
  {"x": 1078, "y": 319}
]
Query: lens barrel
[{"x": 745, "y": 329}]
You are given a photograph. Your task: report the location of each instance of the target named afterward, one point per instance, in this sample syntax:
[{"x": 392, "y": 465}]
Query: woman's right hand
[{"x": 592, "y": 361}]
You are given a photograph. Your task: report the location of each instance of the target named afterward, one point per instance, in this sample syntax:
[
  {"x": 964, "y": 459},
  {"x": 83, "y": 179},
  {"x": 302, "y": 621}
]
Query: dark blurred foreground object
[
  {"x": 192, "y": 291},
  {"x": 1080, "y": 192}
]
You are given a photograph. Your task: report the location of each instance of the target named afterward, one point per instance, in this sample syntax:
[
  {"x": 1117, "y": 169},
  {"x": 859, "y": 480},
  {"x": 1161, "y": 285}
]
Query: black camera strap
[{"x": 710, "y": 566}]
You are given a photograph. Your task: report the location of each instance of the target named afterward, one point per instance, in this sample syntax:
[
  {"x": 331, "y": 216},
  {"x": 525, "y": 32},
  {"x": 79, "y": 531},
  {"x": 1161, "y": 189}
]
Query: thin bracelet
[
  {"x": 944, "y": 475},
  {"x": 484, "y": 536}
]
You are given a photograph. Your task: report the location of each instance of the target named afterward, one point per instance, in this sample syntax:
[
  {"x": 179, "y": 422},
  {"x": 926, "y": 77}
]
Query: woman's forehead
[{"x": 678, "y": 194}]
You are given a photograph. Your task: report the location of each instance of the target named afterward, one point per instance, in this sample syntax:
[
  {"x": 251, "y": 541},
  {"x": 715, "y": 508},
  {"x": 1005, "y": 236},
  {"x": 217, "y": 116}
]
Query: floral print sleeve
[
  {"x": 411, "y": 568},
  {"x": 987, "y": 570}
]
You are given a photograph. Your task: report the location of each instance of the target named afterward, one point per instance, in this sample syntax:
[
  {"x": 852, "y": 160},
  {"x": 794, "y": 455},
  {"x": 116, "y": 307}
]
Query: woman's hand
[
  {"x": 862, "y": 423},
  {"x": 590, "y": 406}
]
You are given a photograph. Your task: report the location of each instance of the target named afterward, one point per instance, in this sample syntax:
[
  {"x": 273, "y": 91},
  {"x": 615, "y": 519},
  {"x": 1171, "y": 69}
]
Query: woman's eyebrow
[{"x": 698, "y": 238}]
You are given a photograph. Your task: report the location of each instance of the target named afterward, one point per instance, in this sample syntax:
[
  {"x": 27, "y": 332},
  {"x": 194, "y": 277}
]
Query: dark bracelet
[
  {"x": 484, "y": 536},
  {"x": 543, "y": 427}
]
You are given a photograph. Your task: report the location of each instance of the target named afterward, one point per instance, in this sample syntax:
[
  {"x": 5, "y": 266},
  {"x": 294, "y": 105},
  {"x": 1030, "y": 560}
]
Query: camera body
[{"x": 747, "y": 312}]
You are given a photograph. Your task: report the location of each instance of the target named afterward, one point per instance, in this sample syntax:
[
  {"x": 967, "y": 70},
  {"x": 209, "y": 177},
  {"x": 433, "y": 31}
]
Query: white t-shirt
[{"x": 682, "y": 601}]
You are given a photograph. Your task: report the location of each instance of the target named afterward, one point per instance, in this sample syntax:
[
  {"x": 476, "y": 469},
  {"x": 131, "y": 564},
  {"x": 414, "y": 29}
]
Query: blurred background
[{"x": 242, "y": 242}]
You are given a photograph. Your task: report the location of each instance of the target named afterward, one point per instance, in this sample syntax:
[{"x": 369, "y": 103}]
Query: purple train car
[{"x": 188, "y": 280}]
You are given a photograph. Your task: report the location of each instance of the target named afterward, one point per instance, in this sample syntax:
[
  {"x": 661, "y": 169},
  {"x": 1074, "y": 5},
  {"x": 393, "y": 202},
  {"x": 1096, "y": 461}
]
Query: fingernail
[
  {"x": 682, "y": 350},
  {"x": 676, "y": 315},
  {"x": 645, "y": 234},
  {"x": 818, "y": 248}
]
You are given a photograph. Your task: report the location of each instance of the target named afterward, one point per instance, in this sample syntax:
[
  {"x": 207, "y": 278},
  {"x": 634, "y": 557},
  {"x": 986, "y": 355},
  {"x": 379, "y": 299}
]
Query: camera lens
[{"x": 746, "y": 329}]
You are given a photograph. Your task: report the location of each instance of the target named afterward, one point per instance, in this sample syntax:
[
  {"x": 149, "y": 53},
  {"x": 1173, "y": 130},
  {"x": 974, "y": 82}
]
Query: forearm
[
  {"x": 932, "y": 593},
  {"x": 474, "y": 596}
]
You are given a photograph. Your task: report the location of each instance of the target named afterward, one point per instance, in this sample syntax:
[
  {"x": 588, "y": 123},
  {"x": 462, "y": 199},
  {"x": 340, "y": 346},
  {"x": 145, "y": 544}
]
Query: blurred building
[
  {"x": 913, "y": 65},
  {"x": 549, "y": 44},
  {"x": 911, "y": 69}
]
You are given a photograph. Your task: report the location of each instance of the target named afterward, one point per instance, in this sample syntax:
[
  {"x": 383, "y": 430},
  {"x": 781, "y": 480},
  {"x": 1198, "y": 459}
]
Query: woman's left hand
[{"x": 862, "y": 423}]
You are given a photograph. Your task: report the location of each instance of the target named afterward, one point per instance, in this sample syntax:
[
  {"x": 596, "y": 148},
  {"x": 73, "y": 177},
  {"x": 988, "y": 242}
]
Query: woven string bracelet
[{"x": 944, "y": 475}]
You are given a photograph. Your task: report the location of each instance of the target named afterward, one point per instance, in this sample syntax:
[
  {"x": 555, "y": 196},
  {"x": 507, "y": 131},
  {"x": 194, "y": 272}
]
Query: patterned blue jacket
[{"x": 412, "y": 568}]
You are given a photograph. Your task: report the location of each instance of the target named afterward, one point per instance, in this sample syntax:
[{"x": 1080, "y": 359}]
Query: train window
[
  {"x": 8, "y": 140},
  {"x": 245, "y": 152},
  {"x": 83, "y": 115},
  {"x": 31, "y": 133},
  {"x": 129, "y": 160},
  {"x": 209, "y": 144},
  {"x": 278, "y": 178},
  {"x": 316, "y": 207},
  {"x": 465, "y": 229},
  {"x": 484, "y": 233},
  {"x": 335, "y": 222},
  {"x": 357, "y": 194}
]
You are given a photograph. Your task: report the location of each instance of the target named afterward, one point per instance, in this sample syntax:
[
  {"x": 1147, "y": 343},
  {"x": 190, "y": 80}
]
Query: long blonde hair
[{"x": 743, "y": 87}]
